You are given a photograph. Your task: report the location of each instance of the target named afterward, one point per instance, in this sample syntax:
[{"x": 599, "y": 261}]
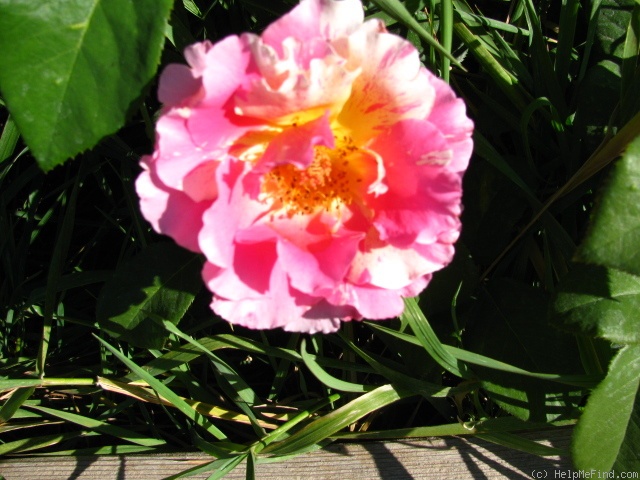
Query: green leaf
[
  {"x": 502, "y": 77},
  {"x": 630, "y": 68},
  {"x": 615, "y": 230},
  {"x": 161, "y": 281},
  {"x": 600, "y": 72},
  {"x": 601, "y": 302},
  {"x": 608, "y": 433},
  {"x": 70, "y": 72}
]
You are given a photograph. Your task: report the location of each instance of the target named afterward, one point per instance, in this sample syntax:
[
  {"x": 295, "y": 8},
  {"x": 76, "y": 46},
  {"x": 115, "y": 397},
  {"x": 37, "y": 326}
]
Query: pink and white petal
[
  {"x": 402, "y": 220},
  {"x": 416, "y": 287},
  {"x": 282, "y": 306},
  {"x": 376, "y": 303},
  {"x": 407, "y": 148},
  {"x": 323, "y": 310},
  {"x": 196, "y": 56},
  {"x": 449, "y": 111},
  {"x": 232, "y": 212},
  {"x": 310, "y": 19},
  {"x": 250, "y": 275},
  {"x": 296, "y": 56},
  {"x": 197, "y": 129},
  {"x": 389, "y": 267},
  {"x": 295, "y": 145},
  {"x": 169, "y": 211},
  {"x": 289, "y": 92},
  {"x": 213, "y": 123},
  {"x": 319, "y": 265},
  {"x": 255, "y": 314},
  {"x": 324, "y": 321},
  {"x": 439, "y": 254},
  {"x": 449, "y": 114},
  {"x": 200, "y": 183},
  {"x": 391, "y": 86},
  {"x": 226, "y": 65},
  {"x": 176, "y": 155}
]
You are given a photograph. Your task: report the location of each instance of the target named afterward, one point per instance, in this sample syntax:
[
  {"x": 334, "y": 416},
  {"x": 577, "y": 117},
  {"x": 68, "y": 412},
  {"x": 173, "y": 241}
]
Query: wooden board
[{"x": 441, "y": 458}]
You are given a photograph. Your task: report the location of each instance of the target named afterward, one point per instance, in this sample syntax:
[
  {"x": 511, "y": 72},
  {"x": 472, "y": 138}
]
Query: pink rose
[{"x": 317, "y": 167}]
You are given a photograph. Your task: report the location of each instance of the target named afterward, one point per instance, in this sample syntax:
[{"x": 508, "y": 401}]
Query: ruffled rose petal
[
  {"x": 290, "y": 92},
  {"x": 315, "y": 19},
  {"x": 170, "y": 211},
  {"x": 392, "y": 84},
  {"x": 280, "y": 306}
]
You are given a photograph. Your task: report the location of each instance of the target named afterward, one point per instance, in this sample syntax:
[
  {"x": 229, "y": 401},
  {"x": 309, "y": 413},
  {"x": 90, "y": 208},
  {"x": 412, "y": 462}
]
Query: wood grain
[{"x": 435, "y": 458}]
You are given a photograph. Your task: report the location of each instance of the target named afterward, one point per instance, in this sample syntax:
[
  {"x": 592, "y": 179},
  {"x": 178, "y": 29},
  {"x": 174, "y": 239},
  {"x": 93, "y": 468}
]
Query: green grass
[{"x": 548, "y": 87}]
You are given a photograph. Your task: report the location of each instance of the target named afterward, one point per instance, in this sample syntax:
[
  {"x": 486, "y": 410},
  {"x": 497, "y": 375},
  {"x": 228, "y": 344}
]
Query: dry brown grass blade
[{"x": 147, "y": 395}]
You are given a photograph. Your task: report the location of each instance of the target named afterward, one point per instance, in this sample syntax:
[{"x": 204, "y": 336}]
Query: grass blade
[
  {"x": 397, "y": 10},
  {"x": 35, "y": 443},
  {"x": 56, "y": 267},
  {"x": 430, "y": 342},
  {"x": 166, "y": 392},
  {"x": 147, "y": 395},
  {"x": 501, "y": 76},
  {"x": 101, "y": 427},
  {"x": 328, "y": 380},
  {"x": 8, "y": 139},
  {"x": 283, "y": 429},
  {"x": 522, "y": 444},
  {"x": 568, "y": 22},
  {"x": 399, "y": 379},
  {"x": 446, "y": 35},
  {"x": 14, "y": 402},
  {"x": 344, "y": 416},
  {"x": 229, "y": 380},
  {"x": 587, "y": 381}
]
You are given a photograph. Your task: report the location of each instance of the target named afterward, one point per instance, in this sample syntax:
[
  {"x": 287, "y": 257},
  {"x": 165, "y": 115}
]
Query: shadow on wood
[{"x": 442, "y": 458}]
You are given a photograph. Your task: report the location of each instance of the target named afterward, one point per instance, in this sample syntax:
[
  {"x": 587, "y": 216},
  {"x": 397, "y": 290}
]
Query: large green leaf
[
  {"x": 602, "y": 302},
  {"x": 602, "y": 298},
  {"x": 615, "y": 231},
  {"x": 600, "y": 82},
  {"x": 70, "y": 70},
  {"x": 162, "y": 281},
  {"x": 607, "y": 436}
]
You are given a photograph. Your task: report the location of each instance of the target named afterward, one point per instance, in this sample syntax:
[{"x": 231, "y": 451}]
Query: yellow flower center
[{"x": 327, "y": 184}]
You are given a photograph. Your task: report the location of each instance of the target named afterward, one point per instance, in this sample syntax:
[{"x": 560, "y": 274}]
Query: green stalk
[
  {"x": 503, "y": 79},
  {"x": 46, "y": 382},
  {"x": 446, "y": 35}
]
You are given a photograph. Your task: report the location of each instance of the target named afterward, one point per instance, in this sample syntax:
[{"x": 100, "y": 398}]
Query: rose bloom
[{"x": 317, "y": 167}]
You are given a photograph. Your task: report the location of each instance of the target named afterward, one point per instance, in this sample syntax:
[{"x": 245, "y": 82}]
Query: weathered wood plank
[{"x": 441, "y": 458}]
